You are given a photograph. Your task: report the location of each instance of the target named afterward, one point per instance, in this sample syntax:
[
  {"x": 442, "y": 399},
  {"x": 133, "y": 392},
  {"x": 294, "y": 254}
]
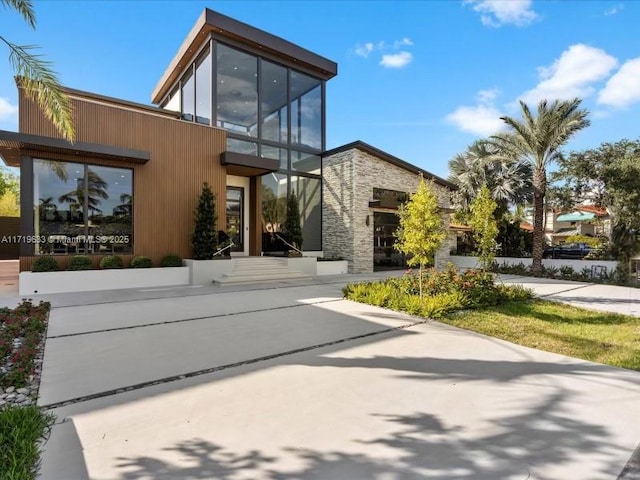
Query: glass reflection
[
  {"x": 203, "y": 89},
  {"x": 306, "y": 110},
  {"x": 237, "y": 91},
  {"x": 273, "y": 98},
  {"x": 309, "y": 194}
]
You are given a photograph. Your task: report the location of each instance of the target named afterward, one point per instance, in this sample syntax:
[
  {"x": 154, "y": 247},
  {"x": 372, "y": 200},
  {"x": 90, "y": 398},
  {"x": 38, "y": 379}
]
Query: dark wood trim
[
  {"x": 249, "y": 163},
  {"x": 255, "y": 216},
  {"x": 26, "y": 203},
  {"x": 14, "y": 142}
]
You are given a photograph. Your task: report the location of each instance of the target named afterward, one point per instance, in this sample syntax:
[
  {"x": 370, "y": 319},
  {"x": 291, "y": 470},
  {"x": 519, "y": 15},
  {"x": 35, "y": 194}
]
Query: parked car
[{"x": 568, "y": 250}]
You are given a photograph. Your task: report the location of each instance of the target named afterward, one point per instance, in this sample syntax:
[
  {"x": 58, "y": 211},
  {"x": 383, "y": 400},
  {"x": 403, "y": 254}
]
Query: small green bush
[
  {"x": 514, "y": 293},
  {"x": 80, "y": 262},
  {"x": 141, "y": 262},
  {"x": 111, "y": 261},
  {"x": 45, "y": 264},
  {"x": 171, "y": 260}
]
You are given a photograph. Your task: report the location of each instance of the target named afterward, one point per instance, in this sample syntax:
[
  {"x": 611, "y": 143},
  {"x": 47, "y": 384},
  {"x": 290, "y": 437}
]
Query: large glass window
[
  {"x": 267, "y": 151},
  {"x": 305, "y": 162},
  {"x": 173, "y": 102},
  {"x": 306, "y": 110},
  {"x": 309, "y": 195},
  {"x": 240, "y": 146},
  {"x": 82, "y": 209},
  {"x": 203, "y": 89},
  {"x": 274, "y": 204},
  {"x": 273, "y": 98},
  {"x": 237, "y": 91},
  {"x": 188, "y": 96}
]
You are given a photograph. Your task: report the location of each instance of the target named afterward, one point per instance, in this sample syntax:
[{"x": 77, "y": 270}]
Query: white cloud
[
  {"x": 364, "y": 50},
  {"x": 571, "y": 75},
  {"x": 406, "y": 41},
  {"x": 482, "y": 119},
  {"x": 623, "y": 88},
  {"x": 396, "y": 60},
  {"x": 495, "y": 13},
  {"x": 393, "y": 59},
  {"x": 8, "y": 111},
  {"x": 615, "y": 9}
]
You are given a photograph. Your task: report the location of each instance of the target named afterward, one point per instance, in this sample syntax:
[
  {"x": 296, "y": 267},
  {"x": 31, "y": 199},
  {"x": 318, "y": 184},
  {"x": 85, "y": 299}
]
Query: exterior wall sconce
[{"x": 366, "y": 221}]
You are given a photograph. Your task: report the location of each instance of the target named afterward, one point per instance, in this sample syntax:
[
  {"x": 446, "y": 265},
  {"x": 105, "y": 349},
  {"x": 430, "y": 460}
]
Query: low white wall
[
  {"x": 303, "y": 264},
  {"x": 577, "y": 265},
  {"x": 93, "y": 280},
  {"x": 334, "y": 267},
  {"x": 205, "y": 272}
]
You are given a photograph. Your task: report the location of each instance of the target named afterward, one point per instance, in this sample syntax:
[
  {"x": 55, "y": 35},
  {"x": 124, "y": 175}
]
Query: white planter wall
[
  {"x": 577, "y": 265},
  {"x": 205, "y": 272},
  {"x": 335, "y": 267},
  {"x": 302, "y": 264},
  {"x": 93, "y": 280}
]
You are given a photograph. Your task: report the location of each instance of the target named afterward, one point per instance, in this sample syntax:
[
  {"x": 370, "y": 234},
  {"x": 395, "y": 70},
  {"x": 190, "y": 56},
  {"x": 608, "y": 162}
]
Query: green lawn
[{"x": 596, "y": 336}]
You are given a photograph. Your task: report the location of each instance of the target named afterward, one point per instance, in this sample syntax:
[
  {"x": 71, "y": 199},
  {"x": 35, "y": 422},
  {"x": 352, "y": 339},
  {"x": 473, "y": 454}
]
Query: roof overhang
[
  {"x": 576, "y": 217},
  {"x": 227, "y": 27},
  {"x": 387, "y": 157},
  {"x": 244, "y": 165},
  {"x": 14, "y": 144}
]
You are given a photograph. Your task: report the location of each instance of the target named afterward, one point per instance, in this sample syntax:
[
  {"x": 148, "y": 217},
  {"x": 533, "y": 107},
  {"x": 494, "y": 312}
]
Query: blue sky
[{"x": 418, "y": 79}]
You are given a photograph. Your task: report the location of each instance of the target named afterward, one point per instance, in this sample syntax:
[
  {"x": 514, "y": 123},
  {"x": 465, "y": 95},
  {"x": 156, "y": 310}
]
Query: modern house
[
  {"x": 586, "y": 220},
  {"x": 238, "y": 108}
]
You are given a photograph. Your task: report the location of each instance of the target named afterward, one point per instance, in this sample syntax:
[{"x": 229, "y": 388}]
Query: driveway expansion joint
[{"x": 206, "y": 371}]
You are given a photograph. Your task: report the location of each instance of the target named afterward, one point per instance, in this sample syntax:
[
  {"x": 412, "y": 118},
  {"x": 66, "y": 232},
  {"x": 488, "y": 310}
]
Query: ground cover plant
[
  {"x": 23, "y": 427},
  {"x": 618, "y": 276},
  {"x": 21, "y": 335}
]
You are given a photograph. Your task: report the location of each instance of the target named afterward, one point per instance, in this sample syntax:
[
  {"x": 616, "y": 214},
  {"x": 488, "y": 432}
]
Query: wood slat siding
[
  {"x": 9, "y": 226},
  {"x": 166, "y": 189}
]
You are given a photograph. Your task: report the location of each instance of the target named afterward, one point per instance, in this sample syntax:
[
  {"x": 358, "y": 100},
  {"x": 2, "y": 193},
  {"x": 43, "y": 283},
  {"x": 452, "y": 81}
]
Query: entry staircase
[{"x": 260, "y": 269}]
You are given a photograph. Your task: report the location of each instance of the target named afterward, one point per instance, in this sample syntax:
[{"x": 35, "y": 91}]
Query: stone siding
[{"x": 349, "y": 180}]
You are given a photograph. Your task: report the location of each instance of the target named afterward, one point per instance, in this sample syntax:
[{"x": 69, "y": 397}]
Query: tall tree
[
  {"x": 205, "y": 236},
  {"x": 508, "y": 181},
  {"x": 421, "y": 230},
  {"x": 537, "y": 140},
  {"x": 35, "y": 75}
]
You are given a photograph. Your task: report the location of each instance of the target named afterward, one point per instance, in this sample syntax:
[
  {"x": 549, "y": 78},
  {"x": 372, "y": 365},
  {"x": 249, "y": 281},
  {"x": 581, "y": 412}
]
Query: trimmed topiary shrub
[
  {"x": 171, "y": 261},
  {"x": 111, "y": 261},
  {"x": 45, "y": 264},
  {"x": 141, "y": 262},
  {"x": 80, "y": 262}
]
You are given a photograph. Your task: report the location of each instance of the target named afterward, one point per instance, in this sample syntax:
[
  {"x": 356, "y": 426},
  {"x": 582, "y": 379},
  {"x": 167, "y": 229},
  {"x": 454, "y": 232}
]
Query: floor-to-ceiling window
[{"x": 82, "y": 209}]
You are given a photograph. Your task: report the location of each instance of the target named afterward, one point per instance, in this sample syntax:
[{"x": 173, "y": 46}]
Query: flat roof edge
[{"x": 365, "y": 147}]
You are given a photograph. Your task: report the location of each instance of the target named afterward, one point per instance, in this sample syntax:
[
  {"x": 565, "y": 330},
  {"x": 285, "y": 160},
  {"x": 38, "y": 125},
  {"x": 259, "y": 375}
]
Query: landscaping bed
[
  {"x": 474, "y": 301},
  {"x": 23, "y": 426}
]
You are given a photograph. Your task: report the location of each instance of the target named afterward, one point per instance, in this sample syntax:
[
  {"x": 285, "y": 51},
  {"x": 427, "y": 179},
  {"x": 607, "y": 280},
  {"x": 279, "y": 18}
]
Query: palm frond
[
  {"x": 24, "y": 8},
  {"x": 41, "y": 84}
]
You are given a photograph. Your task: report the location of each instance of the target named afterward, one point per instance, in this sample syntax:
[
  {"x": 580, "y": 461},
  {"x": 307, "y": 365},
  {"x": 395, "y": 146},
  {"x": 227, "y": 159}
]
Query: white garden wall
[
  {"x": 93, "y": 280},
  {"x": 577, "y": 265}
]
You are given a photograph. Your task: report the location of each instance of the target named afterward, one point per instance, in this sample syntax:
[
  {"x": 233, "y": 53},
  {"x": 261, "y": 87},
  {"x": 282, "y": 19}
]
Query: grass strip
[{"x": 602, "y": 337}]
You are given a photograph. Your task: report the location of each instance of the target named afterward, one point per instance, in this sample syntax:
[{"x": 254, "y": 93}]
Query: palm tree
[
  {"x": 509, "y": 181},
  {"x": 37, "y": 79},
  {"x": 97, "y": 190},
  {"x": 537, "y": 140}
]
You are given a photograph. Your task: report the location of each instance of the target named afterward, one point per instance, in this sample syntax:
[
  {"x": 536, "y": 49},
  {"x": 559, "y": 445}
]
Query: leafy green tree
[
  {"x": 292, "y": 222},
  {"x": 484, "y": 227},
  {"x": 537, "y": 140},
  {"x": 607, "y": 176},
  {"x": 421, "y": 230},
  {"x": 205, "y": 236},
  {"x": 40, "y": 83}
]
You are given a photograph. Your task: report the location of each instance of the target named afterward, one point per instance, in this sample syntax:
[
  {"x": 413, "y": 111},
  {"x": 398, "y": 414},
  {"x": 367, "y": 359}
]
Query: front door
[{"x": 235, "y": 217}]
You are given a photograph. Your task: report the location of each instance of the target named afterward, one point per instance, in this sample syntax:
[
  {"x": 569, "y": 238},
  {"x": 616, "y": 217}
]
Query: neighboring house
[
  {"x": 239, "y": 108},
  {"x": 583, "y": 220}
]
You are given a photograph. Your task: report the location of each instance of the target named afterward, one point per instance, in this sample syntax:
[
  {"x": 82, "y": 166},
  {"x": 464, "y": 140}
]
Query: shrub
[
  {"x": 141, "y": 262},
  {"x": 514, "y": 293},
  {"x": 171, "y": 261},
  {"x": 111, "y": 261},
  {"x": 80, "y": 262},
  {"x": 45, "y": 264}
]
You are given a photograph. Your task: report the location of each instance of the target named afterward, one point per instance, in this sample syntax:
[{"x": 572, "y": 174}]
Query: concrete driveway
[{"x": 296, "y": 383}]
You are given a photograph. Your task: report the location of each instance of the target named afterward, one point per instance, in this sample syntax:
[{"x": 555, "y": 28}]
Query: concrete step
[{"x": 260, "y": 269}]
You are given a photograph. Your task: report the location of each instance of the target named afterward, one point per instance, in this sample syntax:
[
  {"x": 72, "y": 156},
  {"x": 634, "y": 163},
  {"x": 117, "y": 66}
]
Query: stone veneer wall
[{"x": 348, "y": 181}]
